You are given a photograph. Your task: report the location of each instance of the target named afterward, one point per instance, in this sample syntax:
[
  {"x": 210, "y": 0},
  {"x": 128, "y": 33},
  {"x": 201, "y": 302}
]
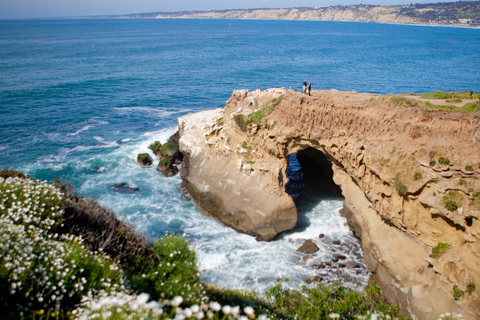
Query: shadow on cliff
[{"x": 311, "y": 181}]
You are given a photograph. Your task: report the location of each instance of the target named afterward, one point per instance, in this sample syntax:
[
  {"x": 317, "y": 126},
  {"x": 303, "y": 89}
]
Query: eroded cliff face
[{"x": 397, "y": 200}]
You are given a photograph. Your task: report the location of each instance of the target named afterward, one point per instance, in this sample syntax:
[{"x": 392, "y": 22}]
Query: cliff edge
[{"x": 409, "y": 175}]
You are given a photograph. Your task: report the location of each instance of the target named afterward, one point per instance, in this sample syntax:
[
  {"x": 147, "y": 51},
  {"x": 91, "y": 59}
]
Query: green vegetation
[
  {"x": 167, "y": 149},
  {"x": 241, "y": 121},
  {"x": 245, "y": 146},
  {"x": 329, "y": 301},
  {"x": 155, "y": 147},
  {"x": 440, "y": 249},
  {"x": 462, "y": 182},
  {"x": 476, "y": 198},
  {"x": 143, "y": 157},
  {"x": 457, "y": 293},
  {"x": 417, "y": 175},
  {"x": 433, "y": 162},
  {"x": 257, "y": 116},
  {"x": 402, "y": 101},
  {"x": 470, "y": 288},
  {"x": 454, "y": 100},
  {"x": 400, "y": 186},
  {"x": 66, "y": 257},
  {"x": 451, "y": 95},
  {"x": 469, "y": 167},
  {"x": 444, "y": 161},
  {"x": 452, "y": 200}
]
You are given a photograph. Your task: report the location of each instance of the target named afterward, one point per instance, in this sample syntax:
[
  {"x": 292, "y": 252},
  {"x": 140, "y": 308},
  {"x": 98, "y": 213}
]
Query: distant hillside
[{"x": 451, "y": 13}]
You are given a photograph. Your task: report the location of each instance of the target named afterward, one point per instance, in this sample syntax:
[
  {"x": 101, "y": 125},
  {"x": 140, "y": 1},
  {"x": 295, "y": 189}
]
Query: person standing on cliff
[
  {"x": 309, "y": 88},
  {"x": 304, "y": 86}
]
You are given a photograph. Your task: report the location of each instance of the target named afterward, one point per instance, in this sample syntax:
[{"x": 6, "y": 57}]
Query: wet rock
[
  {"x": 313, "y": 279},
  {"x": 353, "y": 265},
  {"x": 337, "y": 242},
  {"x": 346, "y": 277},
  {"x": 321, "y": 265},
  {"x": 321, "y": 236},
  {"x": 124, "y": 188},
  {"x": 308, "y": 247},
  {"x": 341, "y": 265},
  {"x": 144, "y": 159},
  {"x": 170, "y": 156}
]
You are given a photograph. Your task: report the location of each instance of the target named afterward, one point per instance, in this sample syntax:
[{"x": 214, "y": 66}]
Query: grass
[
  {"x": 462, "y": 182},
  {"x": 257, "y": 116},
  {"x": 440, "y": 249},
  {"x": 417, "y": 175},
  {"x": 454, "y": 100},
  {"x": 402, "y": 101},
  {"x": 448, "y": 95},
  {"x": 469, "y": 167}
]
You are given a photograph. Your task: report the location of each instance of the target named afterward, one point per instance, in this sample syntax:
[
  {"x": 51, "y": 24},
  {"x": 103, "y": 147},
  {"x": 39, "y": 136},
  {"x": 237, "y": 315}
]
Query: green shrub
[
  {"x": 448, "y": 95},
  {"x": 469, "y": 167},
  {"x": 245, "y": 146},
  {"x": 452, "y": 200},
  {"x": 440, "y": 249},
  {"x": 457, "y": 293},
  {"x": 172, "y": 271},
  {"x": 432, "y": 162},
  {"x": 417, "y": 175},
  {"x": 444, "y": 161},
  {"x": 165, "y": 162},
  {"x": 471, "y": 287},
  {"x": 400, "y": 186},
  {"x": 462, "y": 182}
]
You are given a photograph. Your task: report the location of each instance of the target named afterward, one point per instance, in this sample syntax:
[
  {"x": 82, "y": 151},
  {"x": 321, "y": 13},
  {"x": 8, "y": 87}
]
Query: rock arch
[{"x": 236, "y": 169}]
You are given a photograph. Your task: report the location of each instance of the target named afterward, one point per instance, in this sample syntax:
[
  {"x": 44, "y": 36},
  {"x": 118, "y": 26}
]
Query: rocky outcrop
[
  {"x": 399, "y": 169},
  {"x": 169, "y": 154}
]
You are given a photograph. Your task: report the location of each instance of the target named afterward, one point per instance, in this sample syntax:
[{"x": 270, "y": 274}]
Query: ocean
[{"x": 79, "y": 99}]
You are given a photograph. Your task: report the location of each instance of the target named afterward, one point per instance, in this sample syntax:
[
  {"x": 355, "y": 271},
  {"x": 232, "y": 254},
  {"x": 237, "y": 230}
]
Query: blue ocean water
[{"x": 79, "y": 99}]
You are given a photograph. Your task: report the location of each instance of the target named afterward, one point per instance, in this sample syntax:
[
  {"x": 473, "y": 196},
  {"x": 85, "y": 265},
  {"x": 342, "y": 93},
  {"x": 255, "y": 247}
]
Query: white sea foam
[
  {"x": 226, "y": 258},
  {"x": 80, "y": 130}
]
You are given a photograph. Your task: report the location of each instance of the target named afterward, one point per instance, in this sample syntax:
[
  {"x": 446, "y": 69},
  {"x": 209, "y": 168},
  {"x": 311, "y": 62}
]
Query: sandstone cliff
[
  {"x": 349, "y": 13},
  {"x": 410, "y": 178}
]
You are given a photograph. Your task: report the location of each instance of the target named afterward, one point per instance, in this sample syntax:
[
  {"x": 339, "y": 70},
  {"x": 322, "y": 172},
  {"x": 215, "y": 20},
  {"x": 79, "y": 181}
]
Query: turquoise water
[{"x": 79, "y": 99}]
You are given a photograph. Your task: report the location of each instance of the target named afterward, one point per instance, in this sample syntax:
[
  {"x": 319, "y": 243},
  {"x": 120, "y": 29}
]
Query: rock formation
[{"x": 409, "y": 175}]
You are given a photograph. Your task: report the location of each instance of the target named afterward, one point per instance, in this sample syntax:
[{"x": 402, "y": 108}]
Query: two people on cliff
[{"x": 305, "y": 87}]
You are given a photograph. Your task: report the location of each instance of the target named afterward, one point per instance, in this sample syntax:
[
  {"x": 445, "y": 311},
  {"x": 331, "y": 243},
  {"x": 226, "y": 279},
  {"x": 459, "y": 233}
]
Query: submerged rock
[
  {"x": 124, "y": 188},
  {"x": 169, "y": 154},
  {"x": 313, "y": 279}
]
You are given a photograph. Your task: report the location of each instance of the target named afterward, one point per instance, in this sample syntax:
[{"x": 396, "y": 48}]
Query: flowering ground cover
[{"x": 66, "y": 257}]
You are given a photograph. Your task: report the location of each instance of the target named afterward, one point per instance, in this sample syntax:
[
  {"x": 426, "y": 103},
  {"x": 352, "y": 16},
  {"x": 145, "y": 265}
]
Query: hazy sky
[{"x": 21, "y": 9}]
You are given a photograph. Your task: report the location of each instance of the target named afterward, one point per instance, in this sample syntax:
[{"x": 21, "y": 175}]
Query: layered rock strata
[{"x": 400, "y": 168}]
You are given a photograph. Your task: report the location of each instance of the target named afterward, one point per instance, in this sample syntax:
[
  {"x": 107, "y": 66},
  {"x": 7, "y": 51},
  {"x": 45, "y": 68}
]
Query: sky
[{"x": 26, "y": 9}]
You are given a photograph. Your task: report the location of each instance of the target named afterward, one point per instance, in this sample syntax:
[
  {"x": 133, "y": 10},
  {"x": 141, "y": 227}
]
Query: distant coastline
[{"x": 458, "y": 14}]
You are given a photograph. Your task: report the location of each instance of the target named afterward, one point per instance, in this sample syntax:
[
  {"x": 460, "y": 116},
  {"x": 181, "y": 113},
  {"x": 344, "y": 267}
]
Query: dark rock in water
[
  {"x": 313, "y": 279},
  {"x": 341, "y": 265},
  {"x": 169, "y": 155},
  {"x": 321, "y": 236},
  {"x": 124, "y": 188},
  {"x": 100, "y": 169},
  {"x": 308, "y": 247},
  {"x": 346, "y": 277},
  {"x": 337, "y": 242},
  {"x": 144, "y": 159},
  {"x": 167, "y": 168},
  {"x": 321, "y": 265}
]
